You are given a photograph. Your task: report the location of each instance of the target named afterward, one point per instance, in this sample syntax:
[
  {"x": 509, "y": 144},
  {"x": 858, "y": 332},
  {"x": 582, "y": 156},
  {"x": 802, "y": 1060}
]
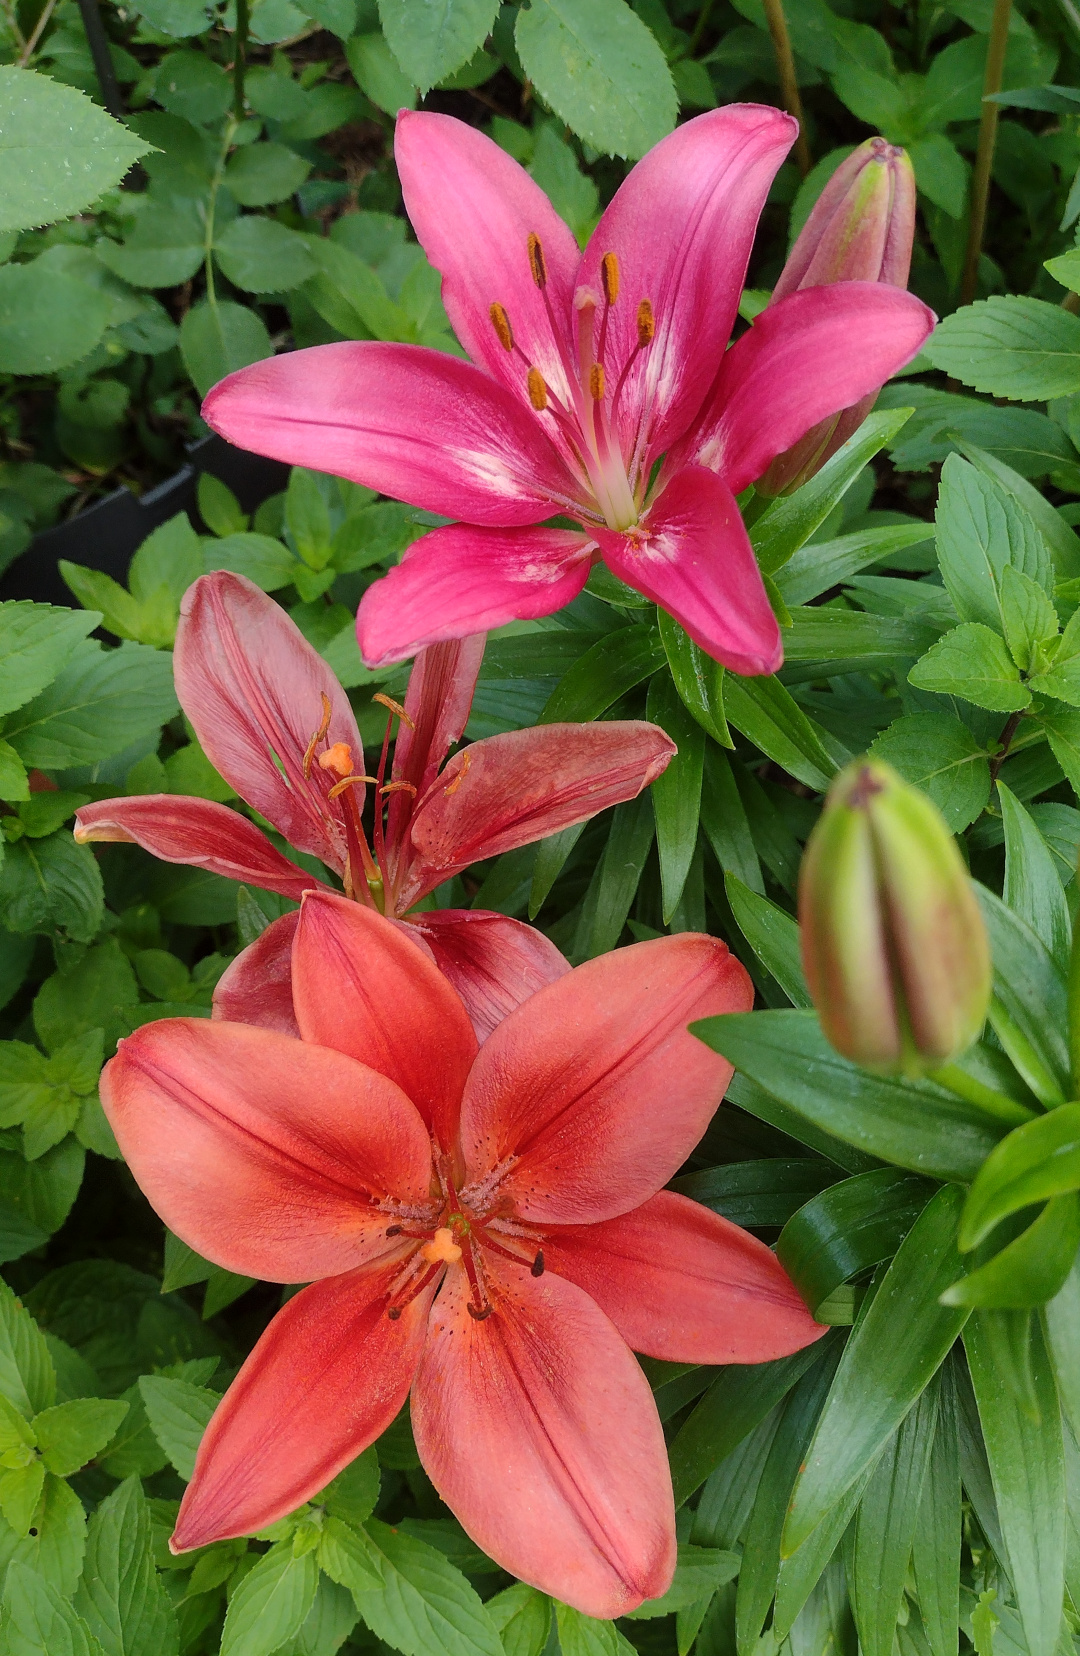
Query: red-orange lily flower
[
  {"x": 482, "y": 1225},
  {"x": 274, "y": 720}
]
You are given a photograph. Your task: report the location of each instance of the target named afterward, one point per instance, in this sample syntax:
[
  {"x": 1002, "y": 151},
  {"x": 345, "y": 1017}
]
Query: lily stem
[
  {"x": 789, "y": 86},
  {"x": 1009, "y": 730},
  {"x": 991, "y": 1103},
  {"x": 984, "y": 153}
]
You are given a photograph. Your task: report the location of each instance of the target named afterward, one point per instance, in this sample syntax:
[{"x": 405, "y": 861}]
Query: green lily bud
[{"x": 893, "y": 942}]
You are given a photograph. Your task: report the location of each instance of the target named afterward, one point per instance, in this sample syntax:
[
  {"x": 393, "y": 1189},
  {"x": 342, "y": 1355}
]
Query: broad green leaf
[
  {"x": 260, "y": 174},
  {"x": 1062, "y": 542},
  {"x": 48, "y": 320},
  {"x": 1032, "y": 887},
  {"x": 582, "y": 1635},
  {"x": 100, "y": 703},
  {"x": 886, "y": 1523},
  {"x": 676, "y": 793},
  {"x": 36, "y": 1197},
  {"x": 598, "y": 66},
  {"x": 27, "y": 1376},
  {"x": 764, "y": 711},
  {"x": 52, "y": 885},
  {"x": 915, "y": 1124},
  {"x": 849, "y": 1228},
  {"x": 698, "y": 679},
  {"x": 20, "y": 1493},
  {"x": 737, "y": 1401},
  {"x": 36, "y": 642},
  {"x": 263, "y": 256},
  {"x": 120, "y": 1597},
  {"x": 166, "y": 245},
  {"x": 348, "y": 1557},
  {"x": 773, "y": 934},
  {"x": 270, "y": 1604},
  {"x": 354, "y": 1493},
  {"x": 1029, "y": 1270},
  {"x": 1035, "y": 1162},
  {"x": 70, "y": 1434},
  {"x": 1062, "y": 727},
  {"x": 881, "y": 1377},
  {"x": 424, "y": 1607},
  {"x": 941, "y": 756},
  {"x": 1027, "y": 1466},
  {"x": 1028, "y": 1011},
  {"x": 790, "y": 520},
  {"x": 936, "y": 1549},
  {"x": 614, "y": 884},
  {"x": 1010, "y": 346},
  {"x": 1029, "y": 618},
  {"x": 55, "y": 1552},
  {"x": 217, "y": 339},
  {"x": 39, "y": 1621},
  {"x": 63, "y": 151},
  {"x": 981, "y": 531},
  {"x": 179, "y": 1414},
  {"x": 972, "y": 662},
  {"x": 431, "y": 41},
  {"x": 1060, "y": 677},
  {"x": 378, "y": 73},
  {"x": 606, "y": 671},
  {"x": 522, "y": 1617},
  {"x": 267, "y": 562},
  {"x": 121, "y": 613}
]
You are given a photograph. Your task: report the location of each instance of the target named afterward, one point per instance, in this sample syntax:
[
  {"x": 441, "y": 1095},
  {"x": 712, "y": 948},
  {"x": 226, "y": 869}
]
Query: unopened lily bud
[
  {"x": 893, "y": 943},
  {"x": 861, "y": 229}
]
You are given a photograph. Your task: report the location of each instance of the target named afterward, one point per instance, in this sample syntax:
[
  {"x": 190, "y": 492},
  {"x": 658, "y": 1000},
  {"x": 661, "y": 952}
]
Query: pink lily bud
[
  {"x": 893, "y": 942},
  {"x": 861, "y": 229}
]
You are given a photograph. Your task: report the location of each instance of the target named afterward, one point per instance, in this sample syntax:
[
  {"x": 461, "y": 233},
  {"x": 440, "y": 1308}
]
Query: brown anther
[
  {"x": 452, "y": 787},
  {"x": 537, "y": 263},
  {"x": 348, "y": 782},
  {"x": 646, "y": 323},
  {"x": 501, "y": 323},
  {"x": 479, "y": 1316},
  {"x": 395, "y": 707},
  {"x": 398, "y": 787},
  {"x": 394, "y": 1230},
  {"x": 537, "y": 1268},
  {"x": 309, "y": 751},
  {"x": 596, "y": 382},
  {"x": 609, "y": 277},
  {"x": 538, "y": 391},
  {"x": 337, "y": 758},
  {"x": 394, "y": 1313}
]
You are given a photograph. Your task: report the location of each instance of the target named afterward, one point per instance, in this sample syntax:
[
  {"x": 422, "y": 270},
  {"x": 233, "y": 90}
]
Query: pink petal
[
  {"x": 257, "y": 987},
  {"x": 593, "y": 1092},
  {"x": 437, "y": 702},
  {"x": 326, "y": 1378},
  {"x": 473, "y": 209},
  {"x": 684, "y": 1284},
  {"x": 264, "y": 1154},
  {"x": 461, "y": 580},
  {"x": 512, "y": 789},
  {"x": 691, "y": 554},
  {"x": 253, "y": 687},
  {"x": 539, "y": 1431},
  {"x": 197, "y": 832},
  {"x": 410, "y": 422},
  {"x": 682, "y": 227},
  {"x": 812, "y": 354},
  {"x": 494, "y": 963},
  {"x": 362, "y": 986}
]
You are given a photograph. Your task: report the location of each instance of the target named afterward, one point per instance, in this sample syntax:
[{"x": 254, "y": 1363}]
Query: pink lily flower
[
  {"x": 274, "y": 720},
  {"x": 587, "y": 369},
  {"x": 486, "y": 1227}
]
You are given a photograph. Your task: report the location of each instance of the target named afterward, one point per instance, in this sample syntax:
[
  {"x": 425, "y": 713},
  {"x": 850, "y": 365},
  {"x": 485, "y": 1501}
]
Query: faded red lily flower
[
  {"x": 587, "y": 369},
  {"x": 276, "y": 723},
  {"x": 484, "y": 1226}
]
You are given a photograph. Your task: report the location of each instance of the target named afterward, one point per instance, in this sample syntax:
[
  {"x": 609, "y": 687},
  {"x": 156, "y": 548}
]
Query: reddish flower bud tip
[{"x": 893, "y": 943}]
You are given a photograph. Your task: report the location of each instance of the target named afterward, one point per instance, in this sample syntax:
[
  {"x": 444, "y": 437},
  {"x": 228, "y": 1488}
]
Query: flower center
[
  {"x": 461, "y": 1238},
  {"x": 587, "y": 421}
]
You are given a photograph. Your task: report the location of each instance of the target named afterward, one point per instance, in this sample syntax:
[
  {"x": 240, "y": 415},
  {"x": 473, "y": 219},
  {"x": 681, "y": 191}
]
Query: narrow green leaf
[
  {"x": 605, "y": 672},
  {"x": 1061, "y": 1320},
  {"x": 936, "y": 1548},
  {"x": 1032, "y": 887},
  {"x": 1036, "y": 1161},
  {"x": 676, "y": 793},
  {"x": 1029, "y": 1270},
  {"x": 849, "y": 1228},
  {"x": 724, "y": 823},
  {"x": 698, "y": 679},
  {"x": 886, "y": 1523},
  {"x": 615, "y": 882},
  {"x": 764, "y": 711},
  {"x": 1029, "y": 987},
  {"x": 773, "y": 934}
]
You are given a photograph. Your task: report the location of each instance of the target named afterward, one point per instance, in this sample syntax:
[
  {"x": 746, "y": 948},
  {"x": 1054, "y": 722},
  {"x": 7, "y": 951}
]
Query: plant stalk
[
  {"x": 991, "y": 1103},
  {"x": 243, "y": 21},
  {"x": 789, "y": 86},
  {"x": 211, "y": 208},
  {"x": 984, "y": 153},
  {"x": 98, "y": 42},
  {"x": 39, "y": 29}
]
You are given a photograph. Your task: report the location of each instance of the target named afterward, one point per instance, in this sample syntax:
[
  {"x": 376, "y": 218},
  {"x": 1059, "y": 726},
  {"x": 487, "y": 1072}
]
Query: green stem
[
  {"x": 211, "y": 208},
  {"x": 984, "y": 1098},
  {"x": 789, "y": 86},
  {"x": 1074, "y": 1011},
  {"x": 984, "y": 154},
  {"x": 699, "y": 28},
  {"x": 243, "y": 18}
]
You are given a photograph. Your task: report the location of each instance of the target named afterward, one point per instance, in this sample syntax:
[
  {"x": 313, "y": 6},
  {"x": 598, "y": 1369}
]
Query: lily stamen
[{"x": 309, "y": 752}]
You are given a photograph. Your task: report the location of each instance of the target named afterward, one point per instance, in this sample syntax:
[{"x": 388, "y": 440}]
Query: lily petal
[
  {"x": 462, "y": 579},
  {"x": 362, "y": 986},
  {"x": 509, "y": 790},
  {"x": 326, "y": 1378},
  {"x": 681, "y": 227},
  {"x": 257, "y": 987},
  {"x": 473, "y": 209},
  {"x": 437, "y": 702},
  {"x": 493, "y": 962},
  {"x": 410, "y": 422},
  {"x": 539, "y": 1431},
  {"x": 593, "y": 1093},
  {"x": 262, "y": 1153},
  {"x": 805, "y": 358},
  {"x": 692, "y": 555},
  {"x": 684, "y": 1284},
  {"x": 198, "y": 832},
  {"x": 253, "y": 687}
]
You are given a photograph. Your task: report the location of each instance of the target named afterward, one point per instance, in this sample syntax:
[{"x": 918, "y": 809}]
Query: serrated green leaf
[
  {"x": 981, "y": 530},
  {"x": 1028, "y": 616},
  {"x": 120, "y": 1597},
  {"x": 1010, "y": 346},
  {"x": 940, "y": 755},
  {"x": 217, "y": 339},
  {"x": 972, "y": 662},
  {"x": 70, "y": 1434},
  {"x": 102, "y": 701},
  {"x": 431, "y": 41},
  {"x": 39, "y": 1621},
  {"x": 179, "y": 1414},
  {"x": 424, "y": 1607},
  {"x": 62, "y": 150},
  {"x": 270, "y": 1604},
  {"x": 36, "y": 642}
]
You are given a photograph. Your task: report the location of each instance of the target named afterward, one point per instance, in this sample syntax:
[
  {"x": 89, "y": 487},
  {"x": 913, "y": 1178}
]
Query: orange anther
[
  {"x": 596, "y": 382},
  {"x": 609, "y": 276},
  {"x": 348, "y": 782},
  {"x": 398, "y": 787},
  {"x": 337, "y": 758},
  {"x": 646, "y": 323},
  {"x": 442, "y": 1249},
  {"x": 395, "y": 707},
  {"x": 452, "y": 787},
  {"x": 501, "y": 323},
  {"x": 537, "y": 263},
  {"x": 538, "y": 392},
  {"x": 327, "y": 714}
]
